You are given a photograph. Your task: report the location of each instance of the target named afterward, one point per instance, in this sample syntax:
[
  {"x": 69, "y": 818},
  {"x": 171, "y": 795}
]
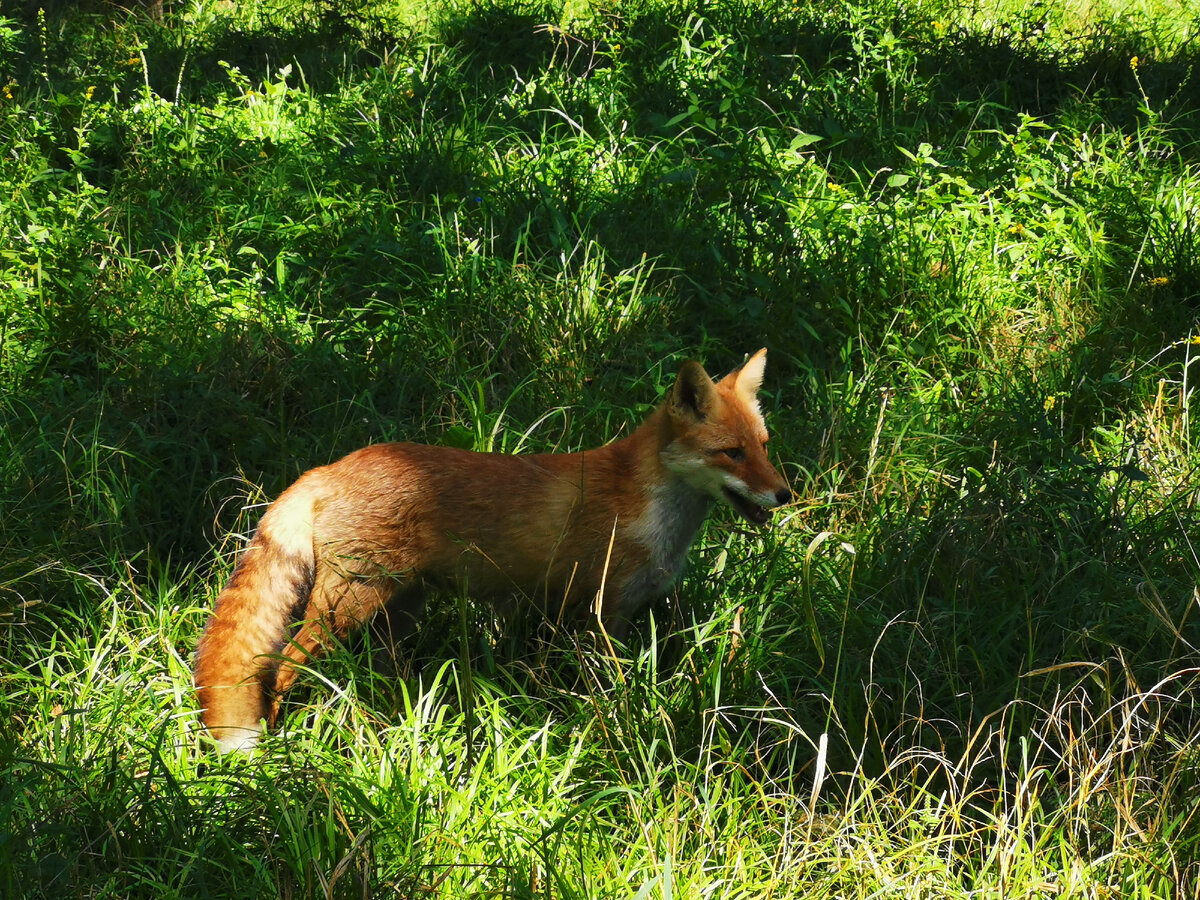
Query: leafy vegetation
[{"x": 246, "y": 239}]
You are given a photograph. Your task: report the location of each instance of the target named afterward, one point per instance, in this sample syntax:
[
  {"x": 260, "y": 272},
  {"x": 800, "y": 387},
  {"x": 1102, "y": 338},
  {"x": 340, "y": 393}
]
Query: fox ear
[
  {"x": 694, "y": 392},
  {"x": 748, "y": 379}
]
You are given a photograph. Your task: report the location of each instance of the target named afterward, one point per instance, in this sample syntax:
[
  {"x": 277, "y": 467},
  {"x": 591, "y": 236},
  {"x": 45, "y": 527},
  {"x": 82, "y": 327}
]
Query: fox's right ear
[{"x": 694, "y": 393}]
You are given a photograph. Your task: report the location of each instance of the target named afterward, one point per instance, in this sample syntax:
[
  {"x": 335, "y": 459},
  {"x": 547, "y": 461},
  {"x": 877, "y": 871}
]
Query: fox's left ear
[
  {"x": 694, "y": 393},
  {"x": 748, "y": 379}
]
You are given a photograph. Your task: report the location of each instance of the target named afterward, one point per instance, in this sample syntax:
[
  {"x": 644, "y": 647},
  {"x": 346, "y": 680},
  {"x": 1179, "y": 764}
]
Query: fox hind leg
[{"x": 339, "y": 606}]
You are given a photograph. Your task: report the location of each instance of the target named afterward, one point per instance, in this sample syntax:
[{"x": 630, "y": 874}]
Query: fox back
[{"x": 590, "y": 536}]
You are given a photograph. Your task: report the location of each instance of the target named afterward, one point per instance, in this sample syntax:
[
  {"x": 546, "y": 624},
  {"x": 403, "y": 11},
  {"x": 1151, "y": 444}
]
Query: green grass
[{"x": 251, "y": 238}]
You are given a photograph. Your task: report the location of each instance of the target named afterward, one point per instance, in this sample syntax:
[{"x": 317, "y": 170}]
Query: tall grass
[{"x": 248, "y": 239}]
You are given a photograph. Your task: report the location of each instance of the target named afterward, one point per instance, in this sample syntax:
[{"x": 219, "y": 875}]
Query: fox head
[{"x": 718, "y": 441}]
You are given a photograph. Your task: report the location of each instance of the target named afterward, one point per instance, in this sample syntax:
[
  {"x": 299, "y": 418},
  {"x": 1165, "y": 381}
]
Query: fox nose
[{"x": 782, "y": 496}]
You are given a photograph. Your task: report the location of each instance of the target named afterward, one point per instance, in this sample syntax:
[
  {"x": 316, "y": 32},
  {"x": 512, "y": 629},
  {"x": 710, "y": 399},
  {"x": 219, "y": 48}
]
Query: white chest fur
[{"x": 666, "y": 529}]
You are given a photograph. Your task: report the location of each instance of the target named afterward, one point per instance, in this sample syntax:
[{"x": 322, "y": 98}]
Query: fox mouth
[{"x": 747, "y": 509}]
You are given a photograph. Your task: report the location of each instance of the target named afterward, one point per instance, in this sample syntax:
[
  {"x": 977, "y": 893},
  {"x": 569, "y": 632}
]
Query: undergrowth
[{"x": 243, "y": 240}]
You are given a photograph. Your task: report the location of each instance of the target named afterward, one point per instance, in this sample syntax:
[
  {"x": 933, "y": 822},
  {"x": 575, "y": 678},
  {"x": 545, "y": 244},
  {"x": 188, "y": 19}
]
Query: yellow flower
[
  {"x": 1160, "y": 281},
  {"x": 1195, "y": 339},
  {"x": 1133, "y": 63},
  {"x": 1016, "y": 228},
  {"x": 1049, "y": 404},
  {"x": 87, "y": 95}
]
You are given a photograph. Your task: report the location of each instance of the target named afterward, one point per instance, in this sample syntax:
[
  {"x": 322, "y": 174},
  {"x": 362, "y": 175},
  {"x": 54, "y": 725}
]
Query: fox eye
[{"x": 737, "y": 454}]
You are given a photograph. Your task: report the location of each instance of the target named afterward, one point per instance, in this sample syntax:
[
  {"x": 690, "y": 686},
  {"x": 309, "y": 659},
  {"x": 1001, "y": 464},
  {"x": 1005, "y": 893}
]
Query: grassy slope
[{"x": 963, "y": 664}]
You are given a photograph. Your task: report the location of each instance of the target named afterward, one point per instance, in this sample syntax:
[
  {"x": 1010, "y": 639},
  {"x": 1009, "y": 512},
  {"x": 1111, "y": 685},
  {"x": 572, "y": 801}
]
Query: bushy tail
[{"x": 238, "y": 655}]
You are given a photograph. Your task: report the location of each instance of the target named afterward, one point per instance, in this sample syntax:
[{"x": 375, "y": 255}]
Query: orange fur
[{"x": 346, "y": 538}]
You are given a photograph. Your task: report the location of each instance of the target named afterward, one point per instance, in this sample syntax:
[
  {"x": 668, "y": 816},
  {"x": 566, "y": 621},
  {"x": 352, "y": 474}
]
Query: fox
[{"x": 593, "y": 536}]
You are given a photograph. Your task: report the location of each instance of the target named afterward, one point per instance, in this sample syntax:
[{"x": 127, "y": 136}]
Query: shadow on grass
[{"x": 97, "y": 823}]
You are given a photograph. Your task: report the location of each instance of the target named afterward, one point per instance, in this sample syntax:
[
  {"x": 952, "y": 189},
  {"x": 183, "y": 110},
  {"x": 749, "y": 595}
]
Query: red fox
[{"x": 592, "y": 534}]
